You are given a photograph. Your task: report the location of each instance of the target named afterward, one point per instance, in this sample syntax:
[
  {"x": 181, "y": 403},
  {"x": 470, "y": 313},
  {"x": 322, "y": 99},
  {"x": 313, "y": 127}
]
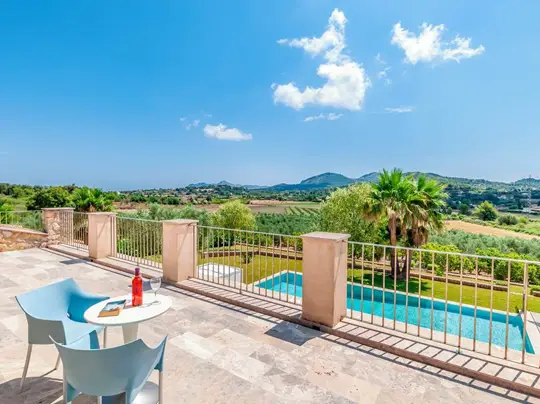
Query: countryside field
[
  {"x": 486, "y": 230},
  {"x": 256, "y": 206}
]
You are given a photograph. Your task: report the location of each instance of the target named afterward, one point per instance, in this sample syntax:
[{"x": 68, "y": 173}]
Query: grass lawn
[
  {"x": 439, "y": 291},
  {"x": 261, "y": 267}
]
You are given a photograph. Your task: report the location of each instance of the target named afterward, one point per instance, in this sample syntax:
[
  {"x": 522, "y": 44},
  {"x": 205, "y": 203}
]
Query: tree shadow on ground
[{"x": 377, "y": 280}]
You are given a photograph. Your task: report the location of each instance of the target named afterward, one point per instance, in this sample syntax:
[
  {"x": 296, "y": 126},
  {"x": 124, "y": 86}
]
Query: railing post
[
  {"x": 179, "y": 249},
  {"x": 101, "y": 226},
  {"x": 324, "y": 284},
  {"x": 58, "y": 224}
]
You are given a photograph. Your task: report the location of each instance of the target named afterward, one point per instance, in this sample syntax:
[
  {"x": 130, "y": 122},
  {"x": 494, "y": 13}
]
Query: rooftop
[{"x": 220, "y": 353}]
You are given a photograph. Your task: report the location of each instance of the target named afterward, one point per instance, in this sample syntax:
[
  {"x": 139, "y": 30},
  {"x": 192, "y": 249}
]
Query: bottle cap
[{"x": 137, "y": 271}]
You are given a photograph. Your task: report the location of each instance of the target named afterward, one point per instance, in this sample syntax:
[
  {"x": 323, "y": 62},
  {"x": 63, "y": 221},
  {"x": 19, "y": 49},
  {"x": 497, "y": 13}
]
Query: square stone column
[
  {"x": 58, "y": 224},
  {"x": 101, "y": 234},
  {"x": 179, "y": 249},
  {"x": 324, "y": 280}
]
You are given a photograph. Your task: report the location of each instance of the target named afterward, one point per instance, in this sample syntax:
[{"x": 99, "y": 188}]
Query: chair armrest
[
  {"x": 40, "y": 330},
  {"x": 80, "y": 302},
  {"x": 160, "y": 354}
]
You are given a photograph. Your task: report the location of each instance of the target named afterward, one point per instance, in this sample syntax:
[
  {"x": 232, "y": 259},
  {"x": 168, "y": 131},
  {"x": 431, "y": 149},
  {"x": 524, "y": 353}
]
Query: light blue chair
[
  {"x": 57, "y": 311},
  {"x": 117, "y": 375}
]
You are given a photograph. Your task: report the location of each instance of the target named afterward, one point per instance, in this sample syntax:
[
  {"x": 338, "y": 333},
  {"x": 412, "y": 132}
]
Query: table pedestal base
[
  {"x": 130, "y": 332},
  {"x": 148, "y": 395}
]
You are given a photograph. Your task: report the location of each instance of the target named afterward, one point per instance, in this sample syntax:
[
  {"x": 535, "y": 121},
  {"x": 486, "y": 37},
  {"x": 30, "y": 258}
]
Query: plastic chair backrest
[
  {"x": 111, "y": 371},
  {"x": 49, "y": 302}
]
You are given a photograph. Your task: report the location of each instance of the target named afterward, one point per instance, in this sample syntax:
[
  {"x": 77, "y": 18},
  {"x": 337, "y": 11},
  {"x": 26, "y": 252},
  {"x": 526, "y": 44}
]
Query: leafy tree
[
  {"x": 464, "y": 209},
  {"x": 137, "y": 197},
  {"x": 486, "y": 211},
  {"x": 4, "y": 206},
  {"x": 53, "y": 197},
  {"x": 156, "y": 212},
  {"x": 92, "y": 200},
  {"x": 345, "y": 211},
  {"x": 234, "y": 215}
]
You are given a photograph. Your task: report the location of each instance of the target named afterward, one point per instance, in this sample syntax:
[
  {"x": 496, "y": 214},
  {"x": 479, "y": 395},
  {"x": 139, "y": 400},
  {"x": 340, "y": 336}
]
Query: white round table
[{"x": 129, "y": 317}]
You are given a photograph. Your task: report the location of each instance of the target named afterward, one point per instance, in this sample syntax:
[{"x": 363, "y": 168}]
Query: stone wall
[{"x": 18, "y": 238}]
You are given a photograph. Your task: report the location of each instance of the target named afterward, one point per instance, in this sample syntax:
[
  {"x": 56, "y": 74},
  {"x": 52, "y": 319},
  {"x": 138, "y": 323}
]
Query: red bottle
[{"x": 136, "y": 288}]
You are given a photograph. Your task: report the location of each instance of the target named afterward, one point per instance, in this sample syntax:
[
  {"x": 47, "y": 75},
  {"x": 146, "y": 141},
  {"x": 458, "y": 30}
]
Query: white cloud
[
  {"x": 379, "y": 59},
  {"x": 428, "y": 45},
  {"x": 330, "y": 117},
  {"x": 194, "y": 124},
  {"x": 383, "y": 75},
  {"x": 221, "y": 132},
  {"x": 331, "y": 42},
  {"x": 400, "y": 110},
  {"x": 346, "y": 80}
]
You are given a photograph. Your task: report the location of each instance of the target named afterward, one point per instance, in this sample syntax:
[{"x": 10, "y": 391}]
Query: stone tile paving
[{"x": 219, "y": 353}]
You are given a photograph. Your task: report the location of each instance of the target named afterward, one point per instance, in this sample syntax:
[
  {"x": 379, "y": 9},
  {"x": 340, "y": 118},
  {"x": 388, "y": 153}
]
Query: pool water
[{"x": 359, "y": 298}]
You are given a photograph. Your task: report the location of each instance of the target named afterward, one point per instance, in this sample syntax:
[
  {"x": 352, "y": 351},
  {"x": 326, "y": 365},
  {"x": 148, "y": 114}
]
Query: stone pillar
[
  {"x": 58, "y": 224},
  {"x": 324, "y": 281},
  {"x": 179, "y": 249},
  {"x": 101, "y": 234}
]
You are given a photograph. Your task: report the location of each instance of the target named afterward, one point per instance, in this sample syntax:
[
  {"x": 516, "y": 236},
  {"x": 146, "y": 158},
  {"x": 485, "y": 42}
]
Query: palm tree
[
  {"x": 430, "y": 198},
  {"x": 412, "y": 208},
  {"x": 91, "y": 200},
  {"x": 391, "y": 198}
]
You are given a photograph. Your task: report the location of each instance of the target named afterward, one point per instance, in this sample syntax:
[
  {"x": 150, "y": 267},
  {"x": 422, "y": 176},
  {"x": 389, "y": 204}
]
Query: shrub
[
  {"x": 464, "y": 209},
  {"x": 508, "y": 220},
  {"x": 486, "y": 211},
  {"x": 247, "y": 257}
]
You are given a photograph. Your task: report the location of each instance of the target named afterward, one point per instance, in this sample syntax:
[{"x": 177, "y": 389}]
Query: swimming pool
[{"x": 362, "y": 297}]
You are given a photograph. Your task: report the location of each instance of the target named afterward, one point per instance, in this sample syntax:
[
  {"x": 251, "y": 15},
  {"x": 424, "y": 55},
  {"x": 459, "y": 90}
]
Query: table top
[{"x": 129, "y": 314}]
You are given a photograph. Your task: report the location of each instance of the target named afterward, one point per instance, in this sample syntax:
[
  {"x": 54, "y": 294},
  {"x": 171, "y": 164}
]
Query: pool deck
[
  {"x": 220, "y": 352},
  {"x": 503, "y": 377},
  {"x": 533, "y": 329}
]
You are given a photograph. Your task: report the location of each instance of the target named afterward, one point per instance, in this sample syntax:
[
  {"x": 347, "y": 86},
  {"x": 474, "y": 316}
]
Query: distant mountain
[
  {"x": 199, "y": 185},
  {"x": 370, "y": 177},
  {"x": 528, "y": 182},
  {"x": 225, "y": 183},
  {"x": 331, "y": 179},
  {"x": 228, "y": 184}
]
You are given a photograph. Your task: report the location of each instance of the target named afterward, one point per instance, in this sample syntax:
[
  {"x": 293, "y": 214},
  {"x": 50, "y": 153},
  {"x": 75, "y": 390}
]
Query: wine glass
[{"x": 155, "y": 284}]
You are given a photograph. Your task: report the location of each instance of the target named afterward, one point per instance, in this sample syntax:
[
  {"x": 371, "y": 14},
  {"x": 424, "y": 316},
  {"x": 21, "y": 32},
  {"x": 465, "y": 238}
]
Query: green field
[{"x": 302, "y": 210}]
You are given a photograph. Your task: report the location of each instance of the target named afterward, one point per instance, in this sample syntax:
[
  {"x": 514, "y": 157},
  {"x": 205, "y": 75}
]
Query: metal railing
[
  {"x": 28, "y": 219},
  {"x": 265, "y": 264},
  {"x": 472, "y": 302},
  {"x": 74, "y": 229},
  {"x": 139, "y": 241}
]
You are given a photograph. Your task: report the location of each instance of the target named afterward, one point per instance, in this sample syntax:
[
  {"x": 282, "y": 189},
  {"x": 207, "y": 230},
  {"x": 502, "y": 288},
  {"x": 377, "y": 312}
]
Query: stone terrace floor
[{"x": 218, "y": 353}]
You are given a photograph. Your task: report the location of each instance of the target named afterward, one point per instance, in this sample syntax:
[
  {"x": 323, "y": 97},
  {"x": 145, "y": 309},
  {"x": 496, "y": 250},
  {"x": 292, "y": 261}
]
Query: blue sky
[{"x": 130, "y": 94}]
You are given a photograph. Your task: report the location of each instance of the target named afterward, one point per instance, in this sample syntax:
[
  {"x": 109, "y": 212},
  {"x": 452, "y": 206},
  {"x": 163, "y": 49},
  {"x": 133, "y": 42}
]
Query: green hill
[{"x": 330, "y": 179}]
